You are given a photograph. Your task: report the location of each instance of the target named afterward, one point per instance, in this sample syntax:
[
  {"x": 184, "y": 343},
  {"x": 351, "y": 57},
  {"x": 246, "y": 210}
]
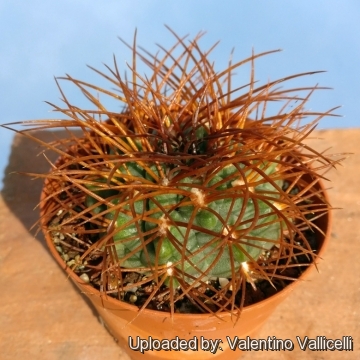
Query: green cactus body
[
  {"x": 100, "y": 191},
  {"x": 195, "y": 218}
]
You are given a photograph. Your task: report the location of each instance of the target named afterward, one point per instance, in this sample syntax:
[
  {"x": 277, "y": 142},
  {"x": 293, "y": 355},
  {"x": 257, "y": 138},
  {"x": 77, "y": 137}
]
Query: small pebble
[
  {"x": 85, "y": 277},
  {"x": 59, "y": 249},
  {"x": 71, "y": 263},
  {"x": 132, "y": 298},
  {"x": 65, "y": 257},
  {"x": 223, "y": 282}
]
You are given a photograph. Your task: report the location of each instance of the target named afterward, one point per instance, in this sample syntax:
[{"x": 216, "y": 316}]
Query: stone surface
[{"x": 43, "y": 316}]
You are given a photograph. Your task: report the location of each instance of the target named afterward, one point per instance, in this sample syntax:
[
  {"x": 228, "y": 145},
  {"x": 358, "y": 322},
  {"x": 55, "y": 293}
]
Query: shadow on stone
[{"x": 20, "y": 192}]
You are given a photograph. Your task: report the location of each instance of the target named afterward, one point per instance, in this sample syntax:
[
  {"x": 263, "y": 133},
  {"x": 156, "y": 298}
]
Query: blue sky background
[{"x": 41, "y": 39}]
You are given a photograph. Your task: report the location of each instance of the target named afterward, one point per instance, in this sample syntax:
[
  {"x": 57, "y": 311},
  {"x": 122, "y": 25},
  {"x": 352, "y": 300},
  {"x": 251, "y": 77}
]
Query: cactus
[
  {"x": 193, "y": 181},
  {"x": 197, "y": 214}
]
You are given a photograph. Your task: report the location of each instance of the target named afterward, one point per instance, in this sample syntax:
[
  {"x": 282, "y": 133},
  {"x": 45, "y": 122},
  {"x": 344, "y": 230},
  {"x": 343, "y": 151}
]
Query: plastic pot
[{"x": 124, "y": 321}]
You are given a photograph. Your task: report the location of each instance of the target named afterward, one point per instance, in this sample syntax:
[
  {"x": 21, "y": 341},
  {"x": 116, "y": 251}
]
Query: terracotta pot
[{"x": 124, "y": 321}]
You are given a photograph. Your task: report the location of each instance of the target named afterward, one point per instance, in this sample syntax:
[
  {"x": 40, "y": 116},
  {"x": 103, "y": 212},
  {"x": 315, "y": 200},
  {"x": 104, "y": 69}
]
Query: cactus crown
[{"x": 192, "y": 189}]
